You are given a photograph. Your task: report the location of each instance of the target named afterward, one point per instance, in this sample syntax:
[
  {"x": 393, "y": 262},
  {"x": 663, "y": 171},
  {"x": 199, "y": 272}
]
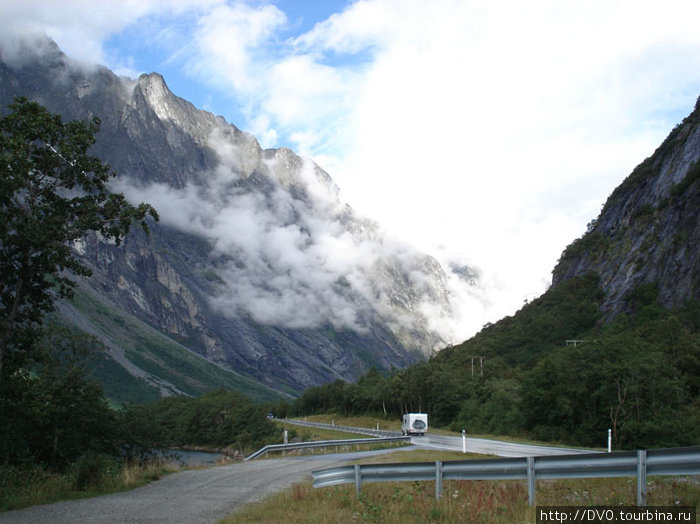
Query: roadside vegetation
[
  {"x": 488, "y": 502},
  {"x": 94, "y": 474},
  {"x": 462, "y": 501},
  {"x": 638, "y": 376}
]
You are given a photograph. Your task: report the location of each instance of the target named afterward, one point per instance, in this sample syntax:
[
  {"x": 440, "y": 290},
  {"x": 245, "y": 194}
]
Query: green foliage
[
  {"x": 220, "y": 418},
  {"x": 93, "y": 469},
  {"x": 157, "y": 354},
  {"x": 643, "y": 211},
  {"x": 636, "y": 377},
  {"x": 647, "y": 170},
  {"x": 52, "y": 192},
  {"x": 592, "y": 244},
  {"x": 51, "y": 412},
  {"x": 639, "y": 375},
  {"x": 565, "y": 312}
]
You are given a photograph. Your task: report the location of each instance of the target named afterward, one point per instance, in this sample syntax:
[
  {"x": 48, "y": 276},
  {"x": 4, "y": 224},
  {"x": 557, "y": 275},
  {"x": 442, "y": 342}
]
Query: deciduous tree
[{"x": 52, "y": 192}]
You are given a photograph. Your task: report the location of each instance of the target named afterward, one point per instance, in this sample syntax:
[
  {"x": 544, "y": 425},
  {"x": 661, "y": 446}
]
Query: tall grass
[{"x": 23, "y": 486}]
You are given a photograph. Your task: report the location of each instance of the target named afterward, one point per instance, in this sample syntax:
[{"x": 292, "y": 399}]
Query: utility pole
[{"x": 481, "y": 363}]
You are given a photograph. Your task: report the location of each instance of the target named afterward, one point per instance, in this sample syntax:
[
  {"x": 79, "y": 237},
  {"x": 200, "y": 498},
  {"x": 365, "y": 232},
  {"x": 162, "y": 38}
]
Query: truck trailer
[{"x": 415, "y": 424}]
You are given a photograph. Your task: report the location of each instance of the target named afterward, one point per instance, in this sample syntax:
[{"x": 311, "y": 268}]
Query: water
[{"x": 191, "y": 459}]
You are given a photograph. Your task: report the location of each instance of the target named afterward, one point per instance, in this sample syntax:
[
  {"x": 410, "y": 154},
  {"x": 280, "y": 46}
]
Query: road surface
[
  {"x": 492, "y": 447},
  {"x": 191, "y": 497},
  {"x": 204, "y": 496},
  {"x": 474, "y": 445}
]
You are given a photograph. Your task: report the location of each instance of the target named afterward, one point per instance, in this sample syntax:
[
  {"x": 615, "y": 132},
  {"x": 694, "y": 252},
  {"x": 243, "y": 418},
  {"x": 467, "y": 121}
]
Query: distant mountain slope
[
  {"x": 256, "y": 264},
  {"x": 141, "y": 364},
  {"x": 648, "y": 232}
]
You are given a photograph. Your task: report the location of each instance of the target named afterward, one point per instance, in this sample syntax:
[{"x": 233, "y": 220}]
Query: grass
[
  {"x": 496, "y": 501},
  {"x": 308, "y": 433},
  {"x": 423, "y": 455},
  {"x": 311, "y": 434},
  {"x": 21, "y": 487},
  {"x": 461, "y": 501},
  {"x": 159, "y": 355},
  {"x": 363, "y": 421}
]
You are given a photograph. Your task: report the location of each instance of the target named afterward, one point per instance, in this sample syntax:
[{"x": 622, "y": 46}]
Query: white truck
[{"x": 415, "y": 424}]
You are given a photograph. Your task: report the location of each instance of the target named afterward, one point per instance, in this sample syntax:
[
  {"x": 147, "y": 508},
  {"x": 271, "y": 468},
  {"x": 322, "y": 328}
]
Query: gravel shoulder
[{"x": 191, "y": 497}]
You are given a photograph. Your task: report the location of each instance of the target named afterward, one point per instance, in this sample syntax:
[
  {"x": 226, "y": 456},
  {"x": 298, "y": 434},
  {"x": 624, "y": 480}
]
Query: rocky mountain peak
[
  {"x": 159, "y": 96},
  {"x": 648, "y": 232}
]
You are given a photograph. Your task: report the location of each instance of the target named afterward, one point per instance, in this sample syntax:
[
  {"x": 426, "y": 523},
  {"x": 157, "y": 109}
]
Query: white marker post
[
  {"x": 609, "y": 440},
  {"x": 464, "y": 441}
]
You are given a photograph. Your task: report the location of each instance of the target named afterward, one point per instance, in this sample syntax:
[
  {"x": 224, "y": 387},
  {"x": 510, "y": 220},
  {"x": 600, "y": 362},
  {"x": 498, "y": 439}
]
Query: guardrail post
[
  {"x": 641, "y": 477},
  {"x": 438, "y": 479},
  {"x": 531, "y": 481},
  {"x": 358, "y": 480}
]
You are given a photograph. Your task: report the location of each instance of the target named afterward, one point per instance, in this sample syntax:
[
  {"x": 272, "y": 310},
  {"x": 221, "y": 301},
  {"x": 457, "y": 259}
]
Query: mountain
[
  {"x": 257, "y": 265},
  {"x": 648, "y": 232}
]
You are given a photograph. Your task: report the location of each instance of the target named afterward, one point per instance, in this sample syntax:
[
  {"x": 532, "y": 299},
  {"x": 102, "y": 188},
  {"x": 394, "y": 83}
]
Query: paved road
[
  {"x": 492, "y": 447},
  {"x": 190, "y": 497},
  {"x": 207, "y": 495},
  {"x": 474, "y": 445}
]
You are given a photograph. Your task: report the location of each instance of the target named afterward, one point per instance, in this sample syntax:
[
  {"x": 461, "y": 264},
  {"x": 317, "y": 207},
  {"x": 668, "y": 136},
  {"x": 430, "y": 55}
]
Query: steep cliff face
[
  {"x": 648, "y": 232},
  {"x": 256, "y": 264}
]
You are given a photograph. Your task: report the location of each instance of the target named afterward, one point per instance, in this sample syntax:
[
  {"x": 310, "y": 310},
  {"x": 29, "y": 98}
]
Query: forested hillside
[{"x": 639, "y": 375}]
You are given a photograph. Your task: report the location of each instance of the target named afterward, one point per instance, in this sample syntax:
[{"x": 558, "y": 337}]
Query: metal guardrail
[
  {"x": 345, "y": 429},
  {"x": 325, "y": 444},
  {"x": 641, "y": 463}
]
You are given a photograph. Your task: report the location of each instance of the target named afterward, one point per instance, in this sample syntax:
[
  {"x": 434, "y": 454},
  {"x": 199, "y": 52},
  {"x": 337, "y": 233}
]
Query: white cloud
[
  {"x": 81, "y": 27},
  {"x": 485, "y": 131},
  {"x": 499, "y": 128},
  {"x": 299, "y": 262},
  {"x": 231, "y": 41}
]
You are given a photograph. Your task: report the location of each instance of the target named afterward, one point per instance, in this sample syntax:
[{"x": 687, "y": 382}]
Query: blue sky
[{"x": 484, "y": 132}]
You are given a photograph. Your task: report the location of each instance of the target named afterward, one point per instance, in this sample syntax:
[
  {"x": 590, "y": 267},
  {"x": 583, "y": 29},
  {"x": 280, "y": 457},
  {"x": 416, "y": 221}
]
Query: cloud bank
[{"x": 287, "y": 251}]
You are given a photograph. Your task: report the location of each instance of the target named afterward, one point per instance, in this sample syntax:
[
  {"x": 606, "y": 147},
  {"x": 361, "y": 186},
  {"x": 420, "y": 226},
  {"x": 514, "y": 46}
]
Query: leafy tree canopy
[{"x": 52, "y": 192}]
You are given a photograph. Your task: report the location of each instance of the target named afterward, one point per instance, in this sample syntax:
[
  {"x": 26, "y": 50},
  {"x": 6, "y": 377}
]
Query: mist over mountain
[{"x": 257, "y": 264}]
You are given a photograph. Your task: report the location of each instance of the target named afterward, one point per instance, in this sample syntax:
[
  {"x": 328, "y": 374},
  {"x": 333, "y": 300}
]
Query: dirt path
[{"x": 190, "y": 497}]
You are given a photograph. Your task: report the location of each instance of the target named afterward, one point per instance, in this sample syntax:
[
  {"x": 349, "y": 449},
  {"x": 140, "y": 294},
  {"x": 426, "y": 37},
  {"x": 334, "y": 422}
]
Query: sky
[{"x": 486, "y": 133}]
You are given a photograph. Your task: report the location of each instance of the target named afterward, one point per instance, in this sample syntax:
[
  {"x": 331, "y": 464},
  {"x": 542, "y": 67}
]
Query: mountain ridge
[
  {"x": 648, "y": 231},
  {"x": 257, "y": 264}
]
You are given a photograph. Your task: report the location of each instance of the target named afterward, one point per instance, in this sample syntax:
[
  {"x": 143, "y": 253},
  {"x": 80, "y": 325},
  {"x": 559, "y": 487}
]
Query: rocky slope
[
  {"x": 256, "y": 264},
  {"x": 648, "y": 233}
]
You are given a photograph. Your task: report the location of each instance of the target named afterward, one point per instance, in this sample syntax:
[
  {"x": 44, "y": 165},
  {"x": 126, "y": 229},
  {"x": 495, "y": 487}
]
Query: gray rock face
[
  {"x": 649, "y": 229},
  {"x": 256, "y": 264}
]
